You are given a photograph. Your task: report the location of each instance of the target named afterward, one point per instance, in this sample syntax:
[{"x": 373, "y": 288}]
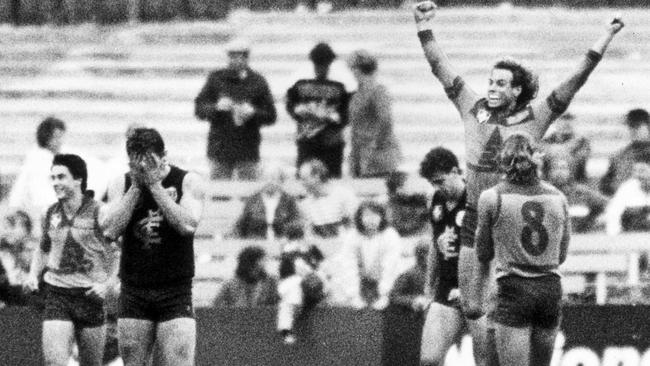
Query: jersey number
[{"x": 534, "y": 237}]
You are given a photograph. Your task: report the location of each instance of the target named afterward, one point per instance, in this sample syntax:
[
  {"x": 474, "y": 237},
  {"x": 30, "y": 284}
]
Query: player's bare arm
[
  {"x": 431, "y": 272},
  {"x": 424, "y": 13},
  {"x": 473, "y": 305},
  {"x": 184, "y": 216},
  {"x": 116, "y": 215},
  {"x": 564, "y": 93}
]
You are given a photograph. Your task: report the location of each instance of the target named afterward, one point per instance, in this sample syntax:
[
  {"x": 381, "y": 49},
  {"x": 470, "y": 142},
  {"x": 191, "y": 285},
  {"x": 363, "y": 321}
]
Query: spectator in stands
[
  {"x": 562, "y": 140},
  {"x": 629, "y": 208},
  {"x": 302, "y": 284},
  {"x": 408, "y": 289},
  {"x": 407, "y": 205},
  {"x": 16, "y": 247},
  {"x": 585, "y": 204},
  {"x": 374, "y": 252},
  {"x": 638, "y": 150},
  {"x": 252, "y": 286},
  {"x": 374, "y": 148},
  {"x": 319, "y": 106},
  {"x": 237, "y": 102},
  {"x": 268, "y": 212},
  {"x": 32, "y": 190},
  {"x": 329, "y": 207}
]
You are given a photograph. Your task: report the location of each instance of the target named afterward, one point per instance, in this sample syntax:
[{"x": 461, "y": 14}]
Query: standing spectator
[
  {"x": 237, "y": 102},
  {"x": 629, "y": 208},
  {"x": 585, "y": 203},
  {"x": 563, "y": 141},
  {"x": 81, "y": 266},
  {"x": 319, "y": 106},
  {"x": 374, "y": 148},
  {"x": 638, "y": 150},
  {"x": 269, "y": 212},
  {"x": 374, "y": 250},
  {"x": 329, "y": 207},
  {"x": 32, "y": 190},
  {"x": 408, "y": 289},
  {"x": 156, "y": 214},
  {"x": 251, "y": 286}
]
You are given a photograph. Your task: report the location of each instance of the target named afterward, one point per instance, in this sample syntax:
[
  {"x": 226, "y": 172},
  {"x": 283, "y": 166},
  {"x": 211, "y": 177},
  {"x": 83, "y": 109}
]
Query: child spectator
[
  {"x": 301, "y": 285},
  {"x": 251, "y": 286},
  {"x": 374, "y": 251}
]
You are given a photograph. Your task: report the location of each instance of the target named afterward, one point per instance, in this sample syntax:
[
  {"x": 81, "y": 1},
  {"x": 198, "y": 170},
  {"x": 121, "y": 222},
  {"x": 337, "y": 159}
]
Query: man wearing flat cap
[
  {"x": 319, "y": 105},
  {"x": 237, "y": 102}
]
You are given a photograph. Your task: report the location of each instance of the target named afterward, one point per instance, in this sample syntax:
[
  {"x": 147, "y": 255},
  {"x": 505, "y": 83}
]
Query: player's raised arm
[
  {"x": 562, "y": 95},
  {"x": 424, "y": 12}
]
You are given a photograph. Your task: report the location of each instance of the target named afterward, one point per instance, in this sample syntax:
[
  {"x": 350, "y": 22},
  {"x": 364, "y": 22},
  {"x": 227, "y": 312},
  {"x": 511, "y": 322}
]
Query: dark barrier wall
[
  {"x": 76, "y": 11},
  {"x": 591, "y": 336}
]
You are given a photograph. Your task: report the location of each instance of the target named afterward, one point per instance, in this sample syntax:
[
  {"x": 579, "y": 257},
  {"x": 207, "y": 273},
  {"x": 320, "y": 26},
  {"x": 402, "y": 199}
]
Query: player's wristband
[
  {"x": 594, "y": 56},
  {"x": 425, "y": 35}
]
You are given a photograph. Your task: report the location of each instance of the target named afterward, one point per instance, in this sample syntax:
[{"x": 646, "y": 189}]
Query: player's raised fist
[
  {"x": 424, "y": 11},
  {"x": 616, "y": 24}
]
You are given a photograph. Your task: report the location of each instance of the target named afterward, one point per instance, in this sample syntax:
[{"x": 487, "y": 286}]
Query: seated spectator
[
  {"x": 16, "y": 248},
  {"x": 638, "y": 150},
  {"x": 251, "y": 286},
  {"x": 408, "y": 289},
  {"x": 585, "y": 204},
  {"x": 374, "y": 252},
  {"x": 301, "y": 286},
  {"x": 407, "y": 207},
  {"x": 562, "y": 140},
  {"x": 329, "y": 206},
  {"x": 629, "y": 209},
  {"x": 268, "y": 212}
]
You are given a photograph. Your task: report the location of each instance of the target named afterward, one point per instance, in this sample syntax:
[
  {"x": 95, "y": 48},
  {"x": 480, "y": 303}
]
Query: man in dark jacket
[
  {"x": 319, "y": 106},
  {"x": 237, "y": 102}
]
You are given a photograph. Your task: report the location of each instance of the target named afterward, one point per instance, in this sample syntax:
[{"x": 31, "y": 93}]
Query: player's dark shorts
[
  {"x": 156, "y": 304},
  {"x": 523, "y": 302},
  {"x": 72, "y": 304},
  {"x": 468, "y": 227}
]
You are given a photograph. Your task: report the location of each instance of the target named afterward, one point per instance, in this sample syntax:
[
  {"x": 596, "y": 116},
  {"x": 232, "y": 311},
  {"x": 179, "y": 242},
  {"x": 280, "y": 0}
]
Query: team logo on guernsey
[
  {"x": 459, "y": 217},
  {"x": 55, "y": 220},
  {"x": 147, "y": 230},
  {"x": 436, "y": 213},
  {"x": 482, "y": 115},
  {"x": 173, "y": 193}
]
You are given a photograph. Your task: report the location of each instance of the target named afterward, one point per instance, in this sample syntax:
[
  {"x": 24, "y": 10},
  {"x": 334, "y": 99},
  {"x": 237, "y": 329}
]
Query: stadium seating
[{"x": 99, "y": 79}]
